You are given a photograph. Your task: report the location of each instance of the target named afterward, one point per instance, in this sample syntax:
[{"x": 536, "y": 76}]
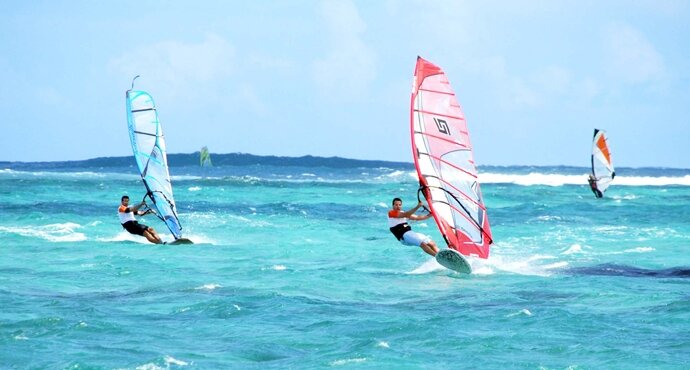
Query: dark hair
[
  {"x": 394, "y": 199},
  {"x": 123, "y": 198}
]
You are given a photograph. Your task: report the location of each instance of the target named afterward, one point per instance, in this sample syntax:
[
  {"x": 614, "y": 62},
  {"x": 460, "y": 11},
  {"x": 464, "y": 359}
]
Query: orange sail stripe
[{"x": 601, "y": 143}]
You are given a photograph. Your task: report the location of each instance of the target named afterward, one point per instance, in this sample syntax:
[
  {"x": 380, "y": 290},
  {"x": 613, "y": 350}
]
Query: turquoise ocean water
[{"x": 294, "y": 268}]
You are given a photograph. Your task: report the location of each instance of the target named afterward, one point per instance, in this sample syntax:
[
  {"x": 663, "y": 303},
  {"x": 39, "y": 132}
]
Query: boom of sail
[{"x": 445, "y": 164}]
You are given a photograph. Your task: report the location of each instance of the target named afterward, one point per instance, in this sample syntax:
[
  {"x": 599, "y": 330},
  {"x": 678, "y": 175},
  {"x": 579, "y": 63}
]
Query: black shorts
[{"x": 134, "y": 227}]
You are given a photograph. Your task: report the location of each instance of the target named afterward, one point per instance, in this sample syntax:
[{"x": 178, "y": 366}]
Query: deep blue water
[{"x": 294, "y": 267}]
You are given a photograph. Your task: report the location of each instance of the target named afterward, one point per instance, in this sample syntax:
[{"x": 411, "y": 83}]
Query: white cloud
[
  {"x": 175, "y": 66},
  {"x": 349, "y": 66},
  {"x": 545, "y": 86},
  {"x": 631, "y": 57}
]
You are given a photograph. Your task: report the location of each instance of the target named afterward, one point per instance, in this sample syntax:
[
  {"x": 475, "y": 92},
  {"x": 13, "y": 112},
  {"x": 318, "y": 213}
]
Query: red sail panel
[{"x": 445, "y": 163}]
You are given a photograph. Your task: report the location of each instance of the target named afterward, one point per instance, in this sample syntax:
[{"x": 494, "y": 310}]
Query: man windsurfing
[
  {"x": 397, "y": 221},
  {"x": 593, "y": 185},
  {"x": 129, "y": 223}
]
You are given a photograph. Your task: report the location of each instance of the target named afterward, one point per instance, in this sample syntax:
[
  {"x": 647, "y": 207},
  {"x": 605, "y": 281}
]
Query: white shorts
[{"x": 414, "y": 239}]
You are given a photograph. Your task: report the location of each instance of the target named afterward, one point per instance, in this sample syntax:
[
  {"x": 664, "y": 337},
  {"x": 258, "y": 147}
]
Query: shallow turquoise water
[{"x": 294, "y": 268}]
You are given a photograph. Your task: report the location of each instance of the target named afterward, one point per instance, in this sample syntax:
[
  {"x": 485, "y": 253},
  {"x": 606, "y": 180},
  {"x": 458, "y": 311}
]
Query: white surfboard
[{"x": 453, "y": 260}]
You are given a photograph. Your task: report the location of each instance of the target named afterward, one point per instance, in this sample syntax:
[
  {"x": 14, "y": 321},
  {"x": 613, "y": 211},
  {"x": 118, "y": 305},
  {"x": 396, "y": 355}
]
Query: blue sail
[{"x": 148, "y": 144}]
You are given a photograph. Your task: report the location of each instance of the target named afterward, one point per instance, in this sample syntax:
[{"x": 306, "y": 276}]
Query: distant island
[{"x": 229, "y": 159}]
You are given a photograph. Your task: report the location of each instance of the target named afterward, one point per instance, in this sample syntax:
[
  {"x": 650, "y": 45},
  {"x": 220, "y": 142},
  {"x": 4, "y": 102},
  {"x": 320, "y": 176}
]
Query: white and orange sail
[
  {"x": 602, "y": 167},
  {"x": 445, "y": 163}
]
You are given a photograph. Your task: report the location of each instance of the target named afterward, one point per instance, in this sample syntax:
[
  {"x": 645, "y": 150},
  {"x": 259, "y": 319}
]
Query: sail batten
[
  {"x": 440, "y": 114},
  {"x": 445, "y": 164},
  {"x": 148, "y": 145},
  {"x": 450, "y": 164}
]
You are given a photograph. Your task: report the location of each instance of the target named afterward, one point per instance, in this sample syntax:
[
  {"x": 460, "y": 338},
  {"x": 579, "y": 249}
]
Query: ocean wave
[
  {"x": 124, "y": 236},
  {"x": 536, "y": 178},
  {"x": 67, "y": 175},
  {"x": 532, "y": 265},
  {"x": 162, "y": 364},
  {"x": 63, "y": 232},
  {"x": 211, "y": 286},
  {"x": 348, "y": 361},
  {"x": 509, "y": 175}
]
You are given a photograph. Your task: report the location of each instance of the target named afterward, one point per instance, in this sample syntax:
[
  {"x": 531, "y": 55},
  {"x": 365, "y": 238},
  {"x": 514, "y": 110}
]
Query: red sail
[{"x": 445, "y": 164}]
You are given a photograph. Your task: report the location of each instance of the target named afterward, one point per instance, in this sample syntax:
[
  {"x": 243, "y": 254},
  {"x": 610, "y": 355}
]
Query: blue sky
[{"x": 333, "y": 78}]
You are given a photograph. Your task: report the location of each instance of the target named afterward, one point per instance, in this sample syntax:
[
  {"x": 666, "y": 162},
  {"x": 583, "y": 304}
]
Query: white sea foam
[
  {"x": 124, "y": 236},
  {"x": 383, "y": 344},
  {"x": 173, "y": 361},
  {"x": 348, "y": 361},
  {"x": 549, "y": 218},
  {"x": 250, "y": 222},
  {"x": 275, "y": 268},
  {"x": 555, "y": 265},
  {"x": 523, "y": 311},
  {"x": 532, "y": 179},
  {"x": 169, "y": 360},
  {"x": 639, "y": 250},
  {"x": 575, "y": 248},
  {"x": 629, "y": 250},
  {"x": 185, "y": 177},
  {"x": 68, "y": 175},
  {"x": 149, "y": 366},
  {"x": 395, "y": 174},
  {"x": 63, "y": 232},
  {"x": 481, "y": 269},
  {"x": 528, "y": 265},
  {"x": 428, "y": 266},
  {"x": 536, "y": 178},
  {"x": 194, "y": 188},
  {"x": 208, "y": 287}
]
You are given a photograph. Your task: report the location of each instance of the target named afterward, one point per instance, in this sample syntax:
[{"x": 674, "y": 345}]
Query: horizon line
[{"x": 319, "y": 157}]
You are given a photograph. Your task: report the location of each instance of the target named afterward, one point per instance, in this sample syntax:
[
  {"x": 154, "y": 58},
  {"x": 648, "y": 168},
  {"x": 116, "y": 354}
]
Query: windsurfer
[
  {"x": 130, "y": 224},
  {"x": 397, "y": 220},
  {"x": 593, "y": 184}
]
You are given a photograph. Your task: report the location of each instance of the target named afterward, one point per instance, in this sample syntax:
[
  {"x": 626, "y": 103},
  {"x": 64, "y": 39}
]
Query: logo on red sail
[{"x": 442, "y": 126}]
